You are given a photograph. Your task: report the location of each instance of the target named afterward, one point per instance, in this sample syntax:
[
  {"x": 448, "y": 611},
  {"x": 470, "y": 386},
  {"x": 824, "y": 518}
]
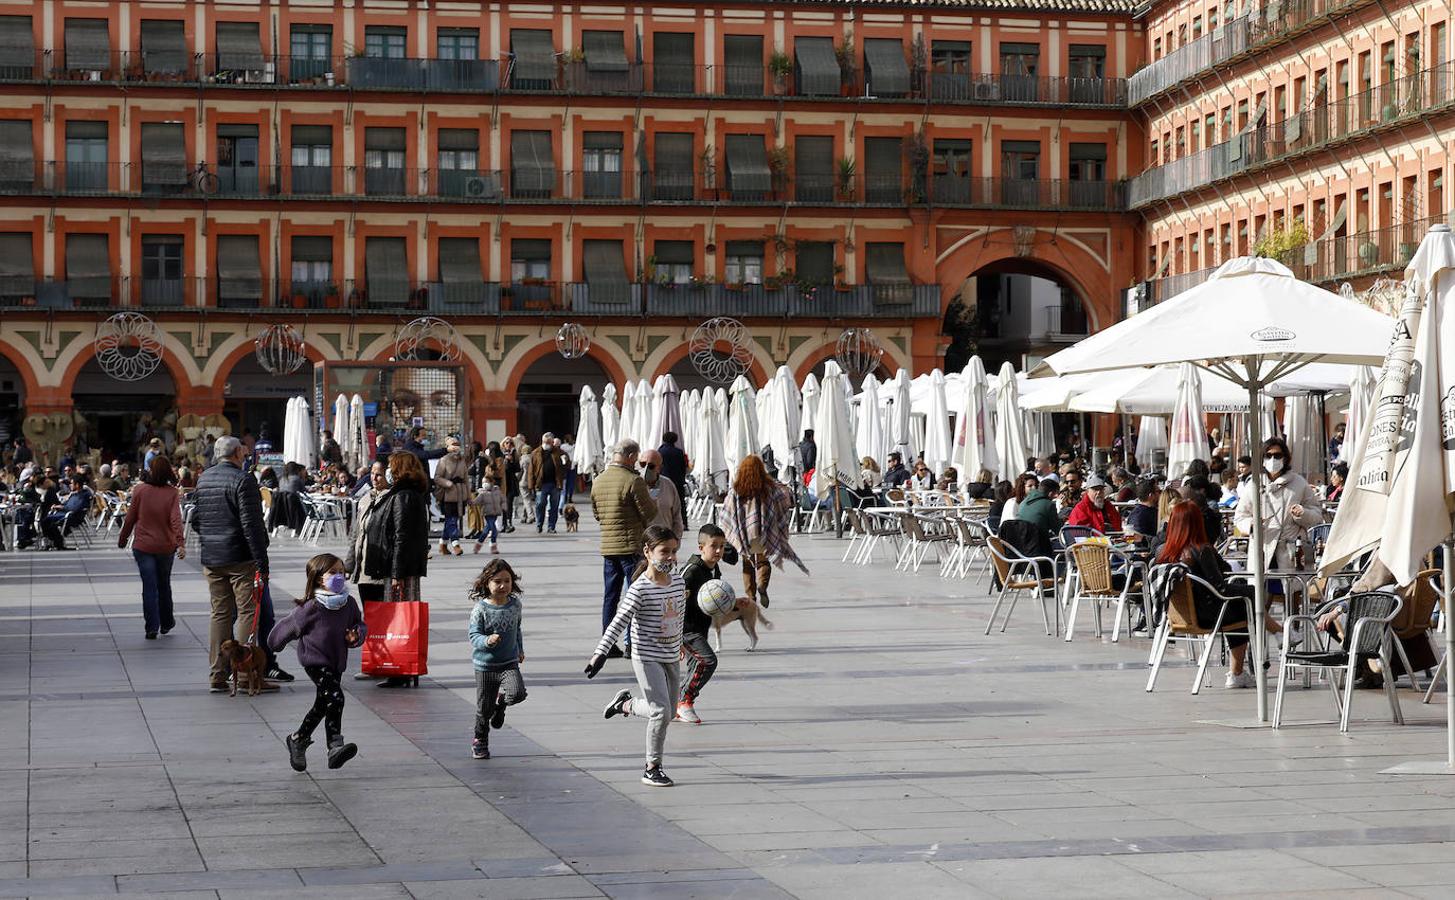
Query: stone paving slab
[{"x": 877, "y": 744}]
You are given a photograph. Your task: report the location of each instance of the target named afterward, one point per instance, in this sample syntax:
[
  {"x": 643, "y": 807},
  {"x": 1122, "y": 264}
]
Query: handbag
[{"x": 397, "y": 643}]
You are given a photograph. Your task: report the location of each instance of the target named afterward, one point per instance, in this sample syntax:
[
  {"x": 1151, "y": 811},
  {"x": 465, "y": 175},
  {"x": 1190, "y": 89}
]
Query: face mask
[
  {"x": 1273, "y": 466},
  {"x": 663, "y": 566},
  {"x": 389, "y": 477},
  {"x": 336, "y": 583}
]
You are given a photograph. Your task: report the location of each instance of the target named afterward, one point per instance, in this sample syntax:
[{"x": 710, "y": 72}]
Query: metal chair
[
  {"x": 1019, "y": 573},
  {"x": 880, "y": 526},
  {"x": 1179, "y": 623},
  {"x": 918, "y": 540},
  {"x": 1366, "y": 636}
]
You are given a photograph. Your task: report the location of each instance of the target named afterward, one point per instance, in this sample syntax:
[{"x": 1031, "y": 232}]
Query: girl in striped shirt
[{"x": 653, "y": 605}]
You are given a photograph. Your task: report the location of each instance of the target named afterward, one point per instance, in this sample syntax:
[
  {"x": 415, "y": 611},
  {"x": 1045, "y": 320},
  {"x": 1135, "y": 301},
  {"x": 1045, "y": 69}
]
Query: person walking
[
  {"x": 663, "y": 491},
  {"x": 510, "y": 463},
  {"x": 674, "y": 467},
  {"x": 452, "y": 491},
  {"x": 548, "y": 470},
  {"x": 568, "y": 485},
  {"x": 756, "y": 515},
  {"x": 415, "y": 444},
  {"x": 233, "y": 550},
  {"x": 396, "y": 545},
  {"x": 623, "y": 507},
  {"x": 154, "y": 526},
  {"x": 371, "y": 590}
]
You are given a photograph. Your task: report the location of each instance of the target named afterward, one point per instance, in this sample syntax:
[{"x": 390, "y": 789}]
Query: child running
[
  {"x": 653, "y": 605},
  {"x": 326, "y": 623},
  {"x": 492, "y": 505},
  {"x": 701, "y": 661},
  {"x": 498, "y": 649}
]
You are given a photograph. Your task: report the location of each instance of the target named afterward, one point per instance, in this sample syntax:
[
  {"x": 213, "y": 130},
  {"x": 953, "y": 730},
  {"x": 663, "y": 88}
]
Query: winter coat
[
  {"x": 624, "y": 508},
  {"x": 452, "y": 479},
  {"x": 397, "y": 543},
  {"x": 228, "y": 518},
  {"x": 1039, "y": 510},
  {"x": 537, "y": 466},
  {"x": 490, "y": 501},
  {"x": 1281, "y": 530},
  {"x": 321, "y": 633}
]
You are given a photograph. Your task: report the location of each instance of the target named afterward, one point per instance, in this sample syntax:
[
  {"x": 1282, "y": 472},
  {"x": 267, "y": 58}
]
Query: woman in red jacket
[{"x": 154, "y": 520}]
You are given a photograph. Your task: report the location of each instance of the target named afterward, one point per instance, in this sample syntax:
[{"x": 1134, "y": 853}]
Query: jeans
[
  {"x": 328, "y": 706},
  {"x": 568, "y": 489},
  {"x": 156, "y": 590},
  {"x": 701, "y": 663},
  {"x": 658, "y": 681},
  {"x": 616, "y": 571},
  {"x": 505, "y": 686},
  {"x": 546, "y": 505},
  {"x": 451, "y": 531},
  {"x": 490, "y": 532}
]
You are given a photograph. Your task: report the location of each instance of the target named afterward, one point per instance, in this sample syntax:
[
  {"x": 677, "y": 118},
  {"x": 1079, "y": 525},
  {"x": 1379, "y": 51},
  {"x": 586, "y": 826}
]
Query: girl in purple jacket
[{"x": 326, "y": 623}]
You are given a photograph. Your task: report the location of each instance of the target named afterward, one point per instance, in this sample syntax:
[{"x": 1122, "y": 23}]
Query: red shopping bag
[{"x": 398, "y": 640}]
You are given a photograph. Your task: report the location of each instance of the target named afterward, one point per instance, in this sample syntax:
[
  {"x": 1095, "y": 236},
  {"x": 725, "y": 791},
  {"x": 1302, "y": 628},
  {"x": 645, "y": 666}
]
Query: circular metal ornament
[
  {"x": 719, "y": 350},
  {"x": 128, "y": 346},
  {"x": 279, "y": 349},
  {"x": 572, "y": 341},
  {"x": 859, "y": 353},
  {"x": 418, "y": 335}
]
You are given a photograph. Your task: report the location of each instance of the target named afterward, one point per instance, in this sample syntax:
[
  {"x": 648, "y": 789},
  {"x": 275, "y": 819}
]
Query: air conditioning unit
[
  {"x": 987, "y": 90},
  {"x": 93, "y": 75},
  {"x": 266, "y": 75},
  {"x": 479, "y": 187}
]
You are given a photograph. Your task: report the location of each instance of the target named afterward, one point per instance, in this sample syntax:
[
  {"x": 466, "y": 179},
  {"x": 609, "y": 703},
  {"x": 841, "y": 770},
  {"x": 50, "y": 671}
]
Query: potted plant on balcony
[
  {"x": 699, "y": 282},
  {"x": 847, "y": 169},
  {"x": 780, "y": 64},
  {"x": 300, "y": 299},
  {"x": 839, "y": 284},
  {"x": 572, "y": 71},
  {"x": 772, "y": 283},
  {"x": 848, "y": 63},
  {"x": 1369, "y": 254},
  {"x": 331, "y": 298},
  {"x": 1284, "y": 244}
]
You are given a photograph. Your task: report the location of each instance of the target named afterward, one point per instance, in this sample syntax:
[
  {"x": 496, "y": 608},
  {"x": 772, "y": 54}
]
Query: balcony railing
[
  {"x": 1394, "y": 103},
  {"x": 1271, "y": 22},
  {"x": 531, "y": 298},
  {"x": 570, "y": 76}
]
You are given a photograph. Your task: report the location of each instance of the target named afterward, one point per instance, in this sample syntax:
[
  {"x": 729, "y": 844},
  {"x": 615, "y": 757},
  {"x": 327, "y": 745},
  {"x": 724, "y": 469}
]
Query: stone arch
[
  {"x": 759, "y": 369},
  {"x": 27, "y": 368},
  {"x": 1063, "y": 256},
  {"x": 83, "y": 352},
  {"x": 894, "y": 358},
  {"x": 521, "y": 360}
]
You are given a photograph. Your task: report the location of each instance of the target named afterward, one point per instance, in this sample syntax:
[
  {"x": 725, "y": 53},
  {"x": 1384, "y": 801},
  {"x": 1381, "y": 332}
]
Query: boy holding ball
[{"x": 701, "y": 661}]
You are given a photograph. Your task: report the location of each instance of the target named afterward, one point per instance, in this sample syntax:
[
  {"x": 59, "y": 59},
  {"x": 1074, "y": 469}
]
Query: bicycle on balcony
[{"x": 203, "y": 181}]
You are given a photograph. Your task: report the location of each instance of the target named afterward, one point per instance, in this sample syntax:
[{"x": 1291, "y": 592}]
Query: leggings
[
  {"x": 328, "y": 706},
  {"x": 757, "y": 572},
  {"x": 505, "y": 687}
]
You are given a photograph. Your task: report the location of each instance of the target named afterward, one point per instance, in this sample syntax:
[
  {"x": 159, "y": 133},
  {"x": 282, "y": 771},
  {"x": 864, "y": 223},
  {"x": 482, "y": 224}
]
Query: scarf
[
  {"x": 744, "y": 521},
  {"x": 1162, "y": 580},
  {"x": 331, "y": 601}
]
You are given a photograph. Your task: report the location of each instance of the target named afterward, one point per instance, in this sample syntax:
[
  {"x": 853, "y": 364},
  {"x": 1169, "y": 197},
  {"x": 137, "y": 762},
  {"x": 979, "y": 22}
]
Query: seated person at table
[
  {"x": 1187, "y": 543},
  {"x": 1039, "y": 509},
  {"x": 1123, "y": 489},
  {"x": 1024, "y": 484},
  {"x": 949, "y": 480},
  {"x": 982, "y": 487},
  {"x": 923, "y": 479},
  {"x": 1230, "y": 490},
  {"x": 1001, "y": 496},
  {"x": 895, "y": 474},
  {"x": 268, "y": 478},
  {"x": 1142, "y": 519},
  {"x": 70, "y": 512},
  {"x": 292, "y": 480},
  {"x": 869, "y": 477},
  {"x": 1337, "y": 476},
  {"x": 1095, "y": 510},
  {"x": 1071, "y": 489},
  {"x": 1411, "y": 626},
  {"x": 1200, "y": 491}
]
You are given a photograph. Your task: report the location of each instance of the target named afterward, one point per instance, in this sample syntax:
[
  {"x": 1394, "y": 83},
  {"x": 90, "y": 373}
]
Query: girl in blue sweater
[{"x": 498, "y": 649}]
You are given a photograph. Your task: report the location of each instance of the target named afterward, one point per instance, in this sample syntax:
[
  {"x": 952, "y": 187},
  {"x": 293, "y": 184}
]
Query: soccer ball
[{"x": 716, "y": 597}]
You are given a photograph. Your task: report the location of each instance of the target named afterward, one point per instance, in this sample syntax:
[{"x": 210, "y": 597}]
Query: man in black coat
[
  {"x": 234, "y": 551},
  {"x": 807, "y": 453},
  {"x": 674, "y": 467}
]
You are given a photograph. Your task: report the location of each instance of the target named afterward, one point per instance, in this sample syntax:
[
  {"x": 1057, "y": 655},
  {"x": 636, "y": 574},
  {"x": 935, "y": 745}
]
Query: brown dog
[
  {"x": 571, "y": 516},
  {"x": 248, "y": 665},
  {"x": 749, "y": 613}
]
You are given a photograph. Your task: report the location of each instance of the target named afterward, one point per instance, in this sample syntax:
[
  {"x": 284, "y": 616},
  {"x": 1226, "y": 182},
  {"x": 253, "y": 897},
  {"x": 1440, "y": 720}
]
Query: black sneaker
[
  {"x": 497, "y": 720},
  {"x": 151, "y": 635},
  {"x": 614, "y": 652},
  {"x": 217, "y": 687},
  {"x": 297, "y": 753},
  {"x": 655, "y": 777},
  {"x": 479, "y": 749},
  {"x": 614, "y": 707},
  {"x": 277, "y": 674},
  {"x": 340, "y": 754},
  {"x": 550, "y": 531}
]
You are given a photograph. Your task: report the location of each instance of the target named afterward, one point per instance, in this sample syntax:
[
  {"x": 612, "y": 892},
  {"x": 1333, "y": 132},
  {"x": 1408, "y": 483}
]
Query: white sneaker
[
  {"x": 685, "y": 713},
  {"x": 1243, "y": 679}
]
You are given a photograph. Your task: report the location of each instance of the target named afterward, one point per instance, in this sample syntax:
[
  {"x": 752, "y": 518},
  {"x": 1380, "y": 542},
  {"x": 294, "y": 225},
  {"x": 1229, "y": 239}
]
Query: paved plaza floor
[{"x": 875, "y": 745}]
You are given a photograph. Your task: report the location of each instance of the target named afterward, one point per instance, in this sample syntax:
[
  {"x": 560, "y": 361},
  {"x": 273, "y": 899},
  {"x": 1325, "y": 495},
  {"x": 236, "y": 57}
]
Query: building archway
[
  {"x": 814, "y": 363},
  {"x": 12, "y": 397},
  {"x": 119, "y": 414},
  {"x": 548, "y": 393},
  {"x": 253, "y": 396},
  {"x": 1015, "y": 310}
]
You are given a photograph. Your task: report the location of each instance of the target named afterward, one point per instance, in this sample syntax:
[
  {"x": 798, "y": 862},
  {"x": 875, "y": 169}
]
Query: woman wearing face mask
[
  {"x": 653, "y": 606},
  {"x": 1290, "y": 507},
  {"x": 452, "y": 490},
  {"x": 396, "y": 543}
]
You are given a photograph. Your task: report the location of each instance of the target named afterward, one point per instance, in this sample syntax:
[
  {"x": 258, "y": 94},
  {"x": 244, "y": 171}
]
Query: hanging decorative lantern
[
  {"x": 859, "y": 352},
  {"x": 417, "y": 336},
  {"x": 128, "y": 346},
  {"x": 279, "y": 349},
  {"x": 719, "y": 350},
  {"x": 572, "y": 341}
]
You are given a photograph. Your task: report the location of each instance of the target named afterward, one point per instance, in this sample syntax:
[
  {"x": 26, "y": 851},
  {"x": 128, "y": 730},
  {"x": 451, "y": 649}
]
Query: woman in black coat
[{"x": 397, "y": 537}]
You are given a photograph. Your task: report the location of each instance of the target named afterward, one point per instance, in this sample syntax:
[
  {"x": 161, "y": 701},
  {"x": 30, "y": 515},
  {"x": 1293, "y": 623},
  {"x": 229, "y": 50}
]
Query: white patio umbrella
[
  {"x": 1361, "y": 405},
  {"x": 610, "y": 416},
  {"x": 869, "y": 437},
  {"x": 742, "y": 427},
  {"x": 1010, "y": 436},
  {"x": 1253, "y": 322},
  {"x": 1403, "y": 474},
  {"x": 974, "y": 432},
  {"x": 341, "y": 428},
  {"x": 901, "y": 432},
  {"x": 1040, "y": 434},
  {"x": 808, "y": 410},
  {"x": 666, "y": 411},
  {"x": 359, "y": 449},
  {"x": 691, "y": 425},
  {"x": 627, "y": 420},
  {"x": 937, "y": 425},
  {"x": 836, "y": 453},
  {"x": 1157, "y": 392},
  {"x": 1189, "y": 425},
  {"x": 1305, "y": 436},
  {"x": 298, "y": 434},
  {"x": 642, "y": 414},
  {"x": 781, "y": 426},
  {"x": 711, "y": 463},
  {"x": 1151, "y": 438},
  {"x": 588, "y": 454}
]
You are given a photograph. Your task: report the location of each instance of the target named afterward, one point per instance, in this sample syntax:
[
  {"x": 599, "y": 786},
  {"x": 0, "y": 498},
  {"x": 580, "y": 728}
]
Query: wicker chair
[
  {"x": 1091, "y": 567},
  {"x": 1179, "y": 623}
]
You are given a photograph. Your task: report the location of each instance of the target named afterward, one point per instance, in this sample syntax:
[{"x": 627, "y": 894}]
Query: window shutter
[
  {"x": 673, "y": 62},
  {"x": 17, "y": 154},
  {"x": 88, "y": 266},
  {"x": 743, "y": 58},
  {"x": 814, "y": 262},
  {"x": 818, "y": 68},
  {"x": 88, "y": 44},
  {"x": 605, "y": 51},
  {"x": 813, "y": 168},
  {"x": 747, "y": 163},
  {"x": 312, "y": 248},
  {"x": 17, "y": 265},
  {"x": 386, "y": 270},
  {"x": 604, "y": 270},
  {"x": 163, "y": 154},
  {"x": 239, "y": 268},
  {"x": 535, "y": 55},
  {"x": 677, "y": 253},
  {"x": 530, "y": 248},
  {"x": 1088, "y": 152},
  {"x": 887, "y": 68},
  {"x": 384, "y": 139},
  {"x": 883, "y": 169},
  {"x": 884, "y": 264},
  {"x": 460, "y": 261},
  {"x": 312, "y": 135},
  {"x": 532, "y": 167},
  {"x": 163, "y": 46},
  {"x": 239, "y": 46},
  {"x": 17, "y": 43}
]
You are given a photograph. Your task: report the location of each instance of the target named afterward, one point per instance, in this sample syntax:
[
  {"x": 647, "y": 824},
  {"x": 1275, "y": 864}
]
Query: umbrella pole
[
  {"x": 1449, "y": 579},
  {"x": 1255, "y": 545}
]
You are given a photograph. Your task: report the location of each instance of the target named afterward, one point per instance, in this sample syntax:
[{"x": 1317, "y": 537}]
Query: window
[
  {"x": 163, "y": 157},
  {"x": 88, "y": 45},
  {"x": 1212, "y": 19},
  {"x": 814, "y": 262},
  {"x": 86, "y": 156},
  {"x": 950, "y": 163},
  {"x": 1088, "y": 67},
  {"x": 237, "y": 159},
  {"x": 311, "y": 49},
  {"x": 950, "y": 70},
  {"x": 239, "y": 271},
  {"x": 530, "y": 270},
  {"x": 459, "y": 161},
  {"x": 1196, "y": 27},
  {"x": 311, "y": 159},
  {"x": 533, "y": 63},
  {"x": 1019, "y": 66},
  {"x": 603, "y": 269},
  {"x": 312, "y": 264},
  {"x": 673, "y": 261},
  {"x": 458, "y": 43},
  {"x": 164, "y": 47},
  {"x": 673, "y": 63},
  {"x": 883, "y": 170},
  {"x": 606, "y": 67},
  {"x": 240, "y": 51},
  {"x": 817, "y": 66},
  {"x": 1194, "y": 130},
  {"x": 386, "y": 271},
  {"x": 532, "y": 164},
  {"x": 748, "y": 175},
  {"x": 17, "y": 47},
  {"x": 88, "y": 269},
  {"x": 384, "y": 42},
  {"x": 460, "y": 272},
  {"x": 1181, "y": 142},
  {"x": 161, "y": 270},
  {"x": 17, "y": 267},
  {"x": 813, "y": 169},
  {"x": 384, "y": 161},
  {"x": 673, "y": 177},
  {"x": 744, "y": 263},
  {"x": 743, "y": 57},
  {"x": 1020, "y": 169},
  {"x": 885, "y": 69},
  {"x": 1087, "y": 172},
  {"x": 601, "y": 164},
  {"x": 458, "y": 65},
  {"x": 884, "y": 266}
]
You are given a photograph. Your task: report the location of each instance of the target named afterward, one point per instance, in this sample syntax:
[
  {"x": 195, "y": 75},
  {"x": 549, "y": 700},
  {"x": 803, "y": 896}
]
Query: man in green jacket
[
  {"x": 624, "y": 508},
  {"x": 1039, "y": 508}
]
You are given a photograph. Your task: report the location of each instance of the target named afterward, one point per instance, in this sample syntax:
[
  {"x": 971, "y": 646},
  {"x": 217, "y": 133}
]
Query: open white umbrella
[
  {"x": 666, "y": 411},
  {"x": 1010, "y": 436},
  {"x": 1253, "y": 322},
  {"x": 1361, "y": 406},
  {"x": 1151, "y": 439},
  {"x": 937, "y": 425},
  {"x": 901, "y": 432},
  {"x": 359, "y": 449},
  {"x": 869, "y": 437},
  {"x": 1189, "y": 425},
  {"x": 836, "y": 453},
  {"x": 588, "y": 454},
  {"x": 1042, "y": 437},
  {"x": 742, "y": 428},
  {"x": 1157, "y": 391},
  {"x": 974, "y": 434},
  {"x": 1305, "y": 436},
  {"x": 610, "y": 416}
]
